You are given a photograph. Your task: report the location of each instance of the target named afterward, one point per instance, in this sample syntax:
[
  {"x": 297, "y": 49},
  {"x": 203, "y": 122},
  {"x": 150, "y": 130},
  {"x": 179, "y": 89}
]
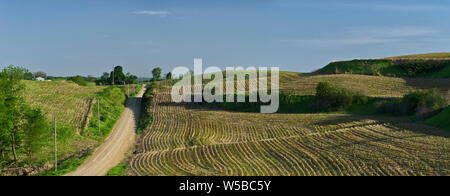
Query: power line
[{"x": 113, "y": 76}]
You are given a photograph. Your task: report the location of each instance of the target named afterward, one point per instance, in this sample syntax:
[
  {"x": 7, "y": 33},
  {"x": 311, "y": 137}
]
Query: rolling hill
[
  {"x": 71, "y": 104},
  {"x": 374, "y": 86},
  {"x": 194, "y": 139},
  {"x": 433, "y": 65},
  {"x": 427, "y": 56},
  {"x": 190, "y": 139},
  {"x": 74, "y": 107}
]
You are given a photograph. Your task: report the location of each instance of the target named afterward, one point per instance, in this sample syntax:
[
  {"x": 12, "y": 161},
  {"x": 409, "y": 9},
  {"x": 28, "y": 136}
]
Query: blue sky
[{"x": 62, "y": 37}]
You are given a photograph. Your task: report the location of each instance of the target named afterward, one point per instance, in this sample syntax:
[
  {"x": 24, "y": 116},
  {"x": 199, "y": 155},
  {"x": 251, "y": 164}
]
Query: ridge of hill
[
  {"x": 426, "y": 56},
  {"x": 432, "y": 65}
]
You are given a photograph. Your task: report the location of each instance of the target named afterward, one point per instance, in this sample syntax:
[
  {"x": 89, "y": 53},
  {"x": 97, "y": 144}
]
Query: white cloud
[
  {"x": 368, "y": 36},
  {"x": 406, "y": 31},
  {"x": 343, "y": 41},
  {"x": 151, "y": 12},
  {"x": 395, "y": 7}
]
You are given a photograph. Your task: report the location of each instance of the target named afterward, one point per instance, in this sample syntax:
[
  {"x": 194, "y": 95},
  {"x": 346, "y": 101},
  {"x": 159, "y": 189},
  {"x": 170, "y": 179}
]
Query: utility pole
[
  {"x": 56, "y": 158},
  {"x": 98, "y": 110},
  {"x": 113, "y": 76}
]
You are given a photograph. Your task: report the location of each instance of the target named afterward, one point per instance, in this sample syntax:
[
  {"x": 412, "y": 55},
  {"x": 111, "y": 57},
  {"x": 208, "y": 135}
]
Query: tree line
[
  {"x": 116, "y": 77},
  {"x": 156, "y": 72}
]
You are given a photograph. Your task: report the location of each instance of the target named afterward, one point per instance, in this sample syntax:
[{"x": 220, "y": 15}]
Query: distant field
[
  {"x": 429, "y": 56},
  {"x": 188, "y": 139},
  {"x": 375, "y": 86}
]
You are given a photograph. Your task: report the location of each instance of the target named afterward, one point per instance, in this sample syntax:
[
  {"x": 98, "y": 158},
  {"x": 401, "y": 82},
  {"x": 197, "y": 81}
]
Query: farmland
[
  {"x": 77, "y": 123},
  {"x": 69, "y": 102},
  {"x": 374, "y": 86},
  {"x": 196, "y": 139},
  {"x": 190, "y": 139},
  {"x": 71, "y": 105}
]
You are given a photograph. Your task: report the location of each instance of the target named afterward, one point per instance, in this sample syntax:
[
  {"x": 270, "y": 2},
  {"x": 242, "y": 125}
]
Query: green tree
[
  {"x": 424, "y": 103},
  {"x": 169, "y": 76},
  {"x": 118, "y": 75},
  {"x": 79, "y": 80},
  {"x": 104, "y": 79},
  {"x": 156, "y": 74},
  {"x": 18, "y": 123},
  {"x": 40, "y": 74},
  {"x": 35, "y": 133},
  {"x": 5, "y": 125},
  {"x": 12, "y": 117},
  {"x": 91, "y": 78},
  {"x": 28, "y": 76},
  {"x": 131, "y": 79},
  {"x": 332, "y": 98}
]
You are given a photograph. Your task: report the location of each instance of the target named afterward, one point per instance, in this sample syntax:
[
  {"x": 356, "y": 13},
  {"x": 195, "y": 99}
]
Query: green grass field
[
  {"x": 119, "y": 170},
  {"x": 441, "y": 120}
]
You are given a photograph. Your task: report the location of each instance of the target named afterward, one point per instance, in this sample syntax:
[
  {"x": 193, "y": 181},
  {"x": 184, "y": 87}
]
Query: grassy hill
[
  {"x": 428, "y": 56},
  {"x": 434, "y": 65},
  {"x": 69, "y": 102},
  {"x": 440, "y": 120},
  {"x": 74, "y": 107}
]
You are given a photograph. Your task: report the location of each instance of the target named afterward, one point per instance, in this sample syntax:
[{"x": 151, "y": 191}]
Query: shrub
[
  {"x": 418, "y": 67},
  {"x": 332, "y": 98},
  {"x": 392, "y": 106},
  {"x": 146, "y": 118},
  {"x": 365, "y": 66},
  {"x": 424, "y": 103},
  {"x": 448, "y": 97},
  {"x": 78, "y": 80}
]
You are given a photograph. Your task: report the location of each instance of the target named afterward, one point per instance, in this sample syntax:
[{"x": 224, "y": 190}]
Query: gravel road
[{"x": 113, "y": 150}]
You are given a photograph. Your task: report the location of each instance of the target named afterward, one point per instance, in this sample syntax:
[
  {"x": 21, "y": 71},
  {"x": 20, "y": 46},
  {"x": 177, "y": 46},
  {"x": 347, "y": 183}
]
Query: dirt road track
[{"x": 116, "y": 145}]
